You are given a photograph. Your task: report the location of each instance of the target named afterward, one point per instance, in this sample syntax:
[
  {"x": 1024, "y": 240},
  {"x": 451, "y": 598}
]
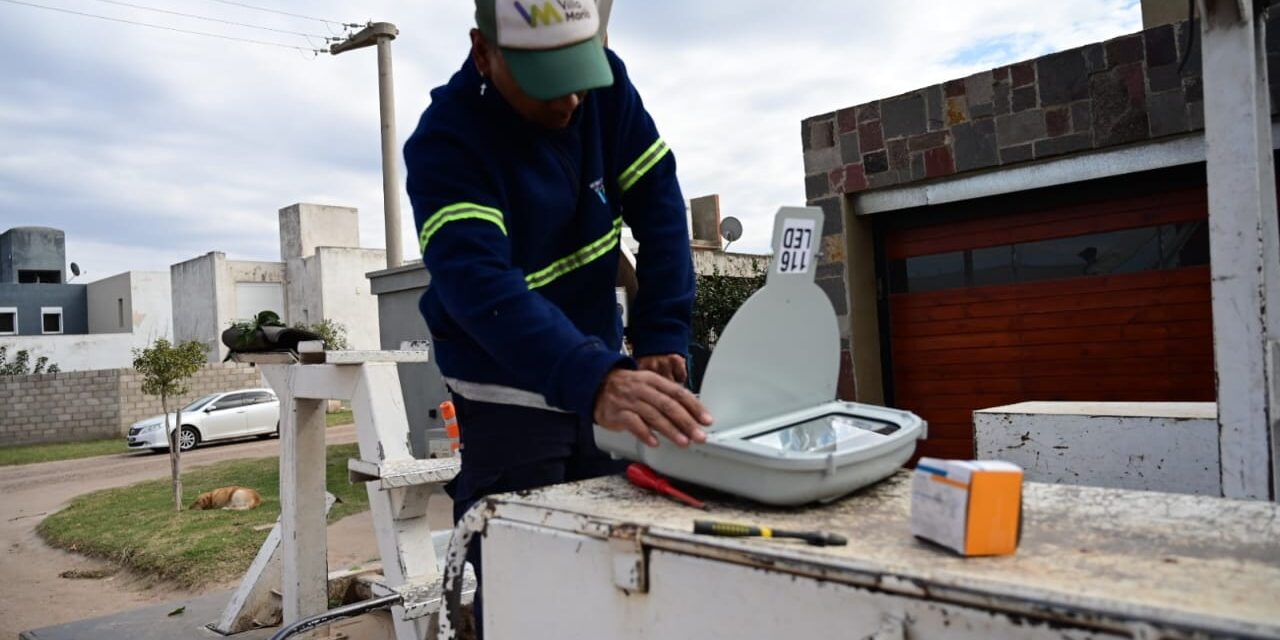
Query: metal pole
[
  {"x": 390, "y": 174},
  {"x": 1244, "y": 242},
  {"x": 381, "y": 34}
]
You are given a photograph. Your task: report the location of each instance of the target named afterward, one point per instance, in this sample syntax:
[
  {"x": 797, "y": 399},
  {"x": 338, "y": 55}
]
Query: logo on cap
[
  {"x": 545, "y": 14},
  {"x": 548, "y": 13}
]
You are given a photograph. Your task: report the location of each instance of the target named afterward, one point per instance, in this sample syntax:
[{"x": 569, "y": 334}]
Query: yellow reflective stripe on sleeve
[
  {"x": 643, "y": 164},
  {"x": 455, "y": 212},
  {"x": 579, "y": 258}
]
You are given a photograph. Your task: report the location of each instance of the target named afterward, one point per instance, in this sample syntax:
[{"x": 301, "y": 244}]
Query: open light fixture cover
[{"x": 780, "y": 436}]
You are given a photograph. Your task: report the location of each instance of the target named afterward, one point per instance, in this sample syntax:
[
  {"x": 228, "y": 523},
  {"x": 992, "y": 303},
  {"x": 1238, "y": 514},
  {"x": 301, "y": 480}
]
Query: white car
[{"x": 219, "y": 416}]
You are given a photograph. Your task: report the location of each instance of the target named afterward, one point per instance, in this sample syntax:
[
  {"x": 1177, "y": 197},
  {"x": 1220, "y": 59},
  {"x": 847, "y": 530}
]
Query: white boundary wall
[{"x": 1160, "y": 446}]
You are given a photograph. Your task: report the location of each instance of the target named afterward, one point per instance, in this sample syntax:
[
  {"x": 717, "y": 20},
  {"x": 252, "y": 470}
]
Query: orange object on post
[{"x": 451, "y": 429}]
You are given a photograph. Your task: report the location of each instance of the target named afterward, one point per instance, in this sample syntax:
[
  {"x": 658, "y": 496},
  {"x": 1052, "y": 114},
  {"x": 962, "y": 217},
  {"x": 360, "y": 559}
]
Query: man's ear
[{"x": 481, "y": 53}]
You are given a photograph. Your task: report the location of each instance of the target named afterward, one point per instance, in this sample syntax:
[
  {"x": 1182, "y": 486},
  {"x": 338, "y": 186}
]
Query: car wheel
[{"x": 188, "y": 438}]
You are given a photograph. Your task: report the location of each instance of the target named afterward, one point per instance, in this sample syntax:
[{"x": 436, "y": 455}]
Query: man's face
[{"x": 549, "y": 114}]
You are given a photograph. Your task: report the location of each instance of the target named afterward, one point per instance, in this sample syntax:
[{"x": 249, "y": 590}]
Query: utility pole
[{"x": 381, "y": 34}]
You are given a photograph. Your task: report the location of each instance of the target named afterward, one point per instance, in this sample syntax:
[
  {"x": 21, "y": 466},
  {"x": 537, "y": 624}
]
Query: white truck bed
[{"x": 1092, "y": 563}]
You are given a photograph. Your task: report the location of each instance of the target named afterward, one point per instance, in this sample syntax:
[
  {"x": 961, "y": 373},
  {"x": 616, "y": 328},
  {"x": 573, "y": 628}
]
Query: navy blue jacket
[{"x": 519, "y": 227}]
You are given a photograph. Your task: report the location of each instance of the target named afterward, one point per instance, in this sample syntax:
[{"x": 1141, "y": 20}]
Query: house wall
[
  {"x": 147, "y": 311},
  {"x": 29, "y": 299},
  {"x": 77, "y": 352},
  {"x": 111, "y": 304},
  {"x": 1160, "y": 12},
  {"x": 345, "y": 294},
  {"x": 151, "y": 311},
  {"x": 315, "y": 281},
  {"x": 1123, "y": 92},
  {"x": 243, "y": 272},
  {"x": 303, "y": 294},
  {"x": 304, "y": 227},
  {"x": 34, "y": 248},
  {"x": 200, "y": 291},
  {"x": 89, "y": 405},
  {"x": 1144, "y": 446}
]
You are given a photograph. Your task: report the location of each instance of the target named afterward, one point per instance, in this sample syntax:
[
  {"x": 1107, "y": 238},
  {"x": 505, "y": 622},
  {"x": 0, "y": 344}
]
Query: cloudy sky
[{"x": 149, "y": 147}]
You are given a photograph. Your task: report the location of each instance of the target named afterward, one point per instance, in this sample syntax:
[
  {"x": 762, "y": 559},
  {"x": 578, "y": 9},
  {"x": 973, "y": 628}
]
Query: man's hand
[
  {"x": 669, "y": 366},
  {"x": 643, "y": 402}
]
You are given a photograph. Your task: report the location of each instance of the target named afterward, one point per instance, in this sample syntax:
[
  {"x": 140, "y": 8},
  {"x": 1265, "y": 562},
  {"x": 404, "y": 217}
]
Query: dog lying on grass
[{"x": 232, "y": 498}]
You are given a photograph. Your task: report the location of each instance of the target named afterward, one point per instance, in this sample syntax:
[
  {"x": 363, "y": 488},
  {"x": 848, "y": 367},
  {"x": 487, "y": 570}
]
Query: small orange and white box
[{"x": 973, "y": 507}]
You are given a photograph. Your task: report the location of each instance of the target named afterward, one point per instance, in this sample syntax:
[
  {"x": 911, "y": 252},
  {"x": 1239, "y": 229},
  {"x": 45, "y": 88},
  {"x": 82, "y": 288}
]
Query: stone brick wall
[
  {"x": 1120, "y": 92},
  {"x": 59, "y": 407},
  {"x": 89, "y": 405},
  {"x": 1106, "y": 94}
]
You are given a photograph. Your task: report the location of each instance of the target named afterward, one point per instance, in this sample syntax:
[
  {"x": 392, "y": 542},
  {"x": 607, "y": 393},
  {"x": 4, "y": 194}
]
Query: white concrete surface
[
  {"x": 1092, "y": 563},
  {"x": 346, "y": 297},
  {"x": 134, "y": 301},
  {"x": 333, "y": 285},
  {"x": 201, "y": 294},
  {"x": 83, "y": 352},
  {"x": 110, "y": 301},
  {"x": 126, "y": 311},
  {"x": 150, "y": 308},
  {"x": 305, "y": 227},
  {"x": 302, "y": 291},
  {"x": 1171, "y": 447},
  {"x": 257, "y": 287},
  {"x": 1244, "y": 242},
  {"x": 313, "y": 282},
  {"x": 255, "y": 297}
]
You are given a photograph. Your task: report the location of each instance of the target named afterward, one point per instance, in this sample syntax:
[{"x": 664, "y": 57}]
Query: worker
[{"x": 521, "y": 173}]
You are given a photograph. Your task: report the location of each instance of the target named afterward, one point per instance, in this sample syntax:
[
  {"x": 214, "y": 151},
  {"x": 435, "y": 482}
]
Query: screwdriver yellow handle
[{"x": 731, "y": 529}]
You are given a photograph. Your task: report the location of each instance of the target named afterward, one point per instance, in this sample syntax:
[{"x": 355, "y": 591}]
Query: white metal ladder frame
[{"x": 399, "y": 487}]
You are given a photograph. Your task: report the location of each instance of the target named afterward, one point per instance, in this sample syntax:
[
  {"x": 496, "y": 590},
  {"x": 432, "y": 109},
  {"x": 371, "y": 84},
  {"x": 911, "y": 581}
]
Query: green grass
[
  {"x": 137, "y": 527},
  {"x": 338, "y": 418},
  {"x": 30, "y": 453}
]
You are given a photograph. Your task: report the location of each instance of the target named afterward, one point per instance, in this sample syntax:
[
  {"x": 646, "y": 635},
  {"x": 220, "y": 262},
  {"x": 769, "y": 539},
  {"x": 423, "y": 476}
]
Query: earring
[{"x": 484, "y": 84}]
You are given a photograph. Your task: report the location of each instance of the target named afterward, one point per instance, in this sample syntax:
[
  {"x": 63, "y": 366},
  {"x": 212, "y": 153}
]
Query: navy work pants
[{"x": 510, "y": 448}]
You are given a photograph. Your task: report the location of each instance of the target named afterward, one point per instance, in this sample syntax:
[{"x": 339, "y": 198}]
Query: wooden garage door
[{"x": 1104, "y": 302}]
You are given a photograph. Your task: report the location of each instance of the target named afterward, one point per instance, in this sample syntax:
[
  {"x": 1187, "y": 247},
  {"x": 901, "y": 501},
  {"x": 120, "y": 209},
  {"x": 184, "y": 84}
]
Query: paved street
[{"x": 32, "y": 594}]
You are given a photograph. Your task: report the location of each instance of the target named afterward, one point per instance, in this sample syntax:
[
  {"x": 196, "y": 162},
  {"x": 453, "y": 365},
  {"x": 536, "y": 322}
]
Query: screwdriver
[
  {"x": 642, "y": 476},
  {"x": 730, "y": 529}
]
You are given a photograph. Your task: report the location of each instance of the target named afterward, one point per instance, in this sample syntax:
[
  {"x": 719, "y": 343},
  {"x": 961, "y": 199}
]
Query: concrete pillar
[{"x": 1244, "y": 243}]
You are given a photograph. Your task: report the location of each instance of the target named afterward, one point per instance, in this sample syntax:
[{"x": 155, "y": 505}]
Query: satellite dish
[
  {"x": 75, "y": 269},
  {"x": 730, "y": 229}
]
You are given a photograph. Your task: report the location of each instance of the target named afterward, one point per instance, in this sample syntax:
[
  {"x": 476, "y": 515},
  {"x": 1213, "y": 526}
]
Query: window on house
[
  {"x": 8, "y": 321},
  {"x": 120, "y": 311},
  {"x": 1168, "y": 246},
  {"x": 51, "y": 319},
  {"x": 27, "y": 276}
]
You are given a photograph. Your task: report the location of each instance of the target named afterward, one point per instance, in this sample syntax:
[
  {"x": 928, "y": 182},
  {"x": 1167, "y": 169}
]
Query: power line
[
  {"x": 156, "y": 26},
  {"x": 286, "y": 13},
  {"x": 209, "y": 19}
]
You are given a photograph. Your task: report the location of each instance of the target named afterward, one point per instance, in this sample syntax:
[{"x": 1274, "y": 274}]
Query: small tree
[
  {"x": 165, "y": 369},
  {"x": 332, "y": 332}
]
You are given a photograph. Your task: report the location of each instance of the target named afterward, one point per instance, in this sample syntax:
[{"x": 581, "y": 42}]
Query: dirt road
[{"x": 31, "y": 592}]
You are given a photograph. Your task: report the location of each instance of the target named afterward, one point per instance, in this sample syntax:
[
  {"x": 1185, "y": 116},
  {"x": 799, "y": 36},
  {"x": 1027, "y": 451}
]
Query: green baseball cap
[{"x": 552, "y": 47}]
